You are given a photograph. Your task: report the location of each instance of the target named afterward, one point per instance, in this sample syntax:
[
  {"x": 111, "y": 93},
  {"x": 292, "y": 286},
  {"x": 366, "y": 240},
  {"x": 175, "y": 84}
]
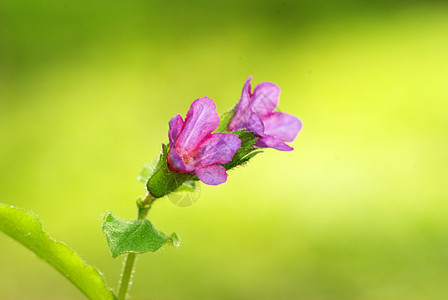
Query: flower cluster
[{"x": 196, "y": 151}]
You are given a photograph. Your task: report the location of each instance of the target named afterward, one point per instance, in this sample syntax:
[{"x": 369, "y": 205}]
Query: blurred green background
[{"x": 357, "y": 211}]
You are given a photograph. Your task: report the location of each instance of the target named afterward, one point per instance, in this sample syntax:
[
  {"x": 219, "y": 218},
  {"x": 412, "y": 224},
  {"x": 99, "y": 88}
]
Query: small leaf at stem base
[{"x": 138, "y": 236}]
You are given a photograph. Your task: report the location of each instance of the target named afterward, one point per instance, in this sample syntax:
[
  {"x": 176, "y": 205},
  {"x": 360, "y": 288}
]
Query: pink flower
[
  {"x": 255, "y": 112},
  {"x": 195, "y": 149}
]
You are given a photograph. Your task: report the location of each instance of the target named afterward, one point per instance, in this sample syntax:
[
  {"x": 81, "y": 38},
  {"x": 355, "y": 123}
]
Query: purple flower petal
[
  {"x": 201, "y": 120},
  {"x": 217, "y": 148},
  {"x": 254, "y": 123},
  {"x": 176, "y": 163},
  {"x": 212, "y": 175},
  {"x": 176, "y": 125},
  {"x": 250, "y": 122},
  {"x": 282, "y": 126},
  {"x": 239, "y": 117},
  {"x": 271, "y": 142},
  {"x": 246, "y": 94},
  {"x": 265, "y": 98}
]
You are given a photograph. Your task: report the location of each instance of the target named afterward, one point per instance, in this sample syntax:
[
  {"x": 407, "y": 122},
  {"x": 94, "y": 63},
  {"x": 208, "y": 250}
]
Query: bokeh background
[{"x": 357, "y": 211}]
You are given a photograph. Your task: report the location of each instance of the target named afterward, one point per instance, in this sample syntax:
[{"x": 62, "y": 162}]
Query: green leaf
[
  {"x": 138, "y": 236},
  {"x": 225, "y": 119},
  {"x": 163, "y": 181},
  {"x": 24, "y": 226}
]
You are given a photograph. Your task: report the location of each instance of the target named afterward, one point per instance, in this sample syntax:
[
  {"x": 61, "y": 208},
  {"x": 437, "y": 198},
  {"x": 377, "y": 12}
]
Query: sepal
[
  {"x": 162, "y": 181},
  {"x": 247, "y": 150},
  {"x": 248, "y": 139},
  {"x": 225, "y": 119},
  {"x": 146, "y": 172}
]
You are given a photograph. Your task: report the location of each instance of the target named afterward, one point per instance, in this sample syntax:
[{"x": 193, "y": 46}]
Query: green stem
[
  {"x": 126, "y": 275},
  {"x": 143, "y": 209}
]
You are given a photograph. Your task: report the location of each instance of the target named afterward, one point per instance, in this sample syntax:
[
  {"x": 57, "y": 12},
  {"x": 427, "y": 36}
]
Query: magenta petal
[
  {"x": 250, "y": 121},
  {"x": 282, "y": 126},
  {"x": 265, "y": 98},
  {"x": 272, "y": 142},
  {"x": 176, "y": 125},
  {"x": 200, "y": 121},
  {"x": 238, "y": 118},
  {"x": 217, "y": 148},
  {"x": 176, "y": 163},
  {"x": 253, "y": 123},
  {"x": 246, "y": 94},
  {"x": 212, "y": 175}
]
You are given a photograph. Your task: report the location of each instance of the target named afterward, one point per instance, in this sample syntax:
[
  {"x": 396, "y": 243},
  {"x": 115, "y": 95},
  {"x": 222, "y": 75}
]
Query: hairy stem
[
  {"x": 126, "y": 275},
  {"x": 143, "y": 208}
]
